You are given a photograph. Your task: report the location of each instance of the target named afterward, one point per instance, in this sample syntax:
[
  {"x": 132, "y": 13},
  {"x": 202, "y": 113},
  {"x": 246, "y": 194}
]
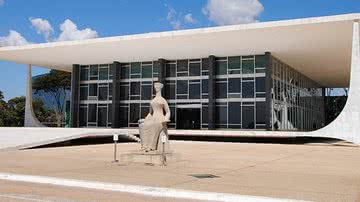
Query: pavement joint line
[
  {"x": 137, "y": 189},
  {"x": 23, "y": 198}
]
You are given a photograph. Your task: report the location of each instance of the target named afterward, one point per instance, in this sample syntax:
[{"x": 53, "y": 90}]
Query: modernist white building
[{"x": 265, "y": 79}]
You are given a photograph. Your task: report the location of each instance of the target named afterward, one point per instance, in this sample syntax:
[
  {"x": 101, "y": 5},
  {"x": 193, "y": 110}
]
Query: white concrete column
[
  {"x": 30, "y": 118},
  {"x": 347, "y": 125}
]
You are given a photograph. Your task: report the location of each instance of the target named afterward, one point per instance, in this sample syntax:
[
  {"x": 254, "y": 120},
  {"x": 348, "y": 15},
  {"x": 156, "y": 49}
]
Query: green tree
[
  {"x": 17, "y": 107},
  {"x": 12, "y": 113},
  {"x": 44, "y": 115},
  {"x": 5, "y": 115},
  {"x": 56, "y": 83}
]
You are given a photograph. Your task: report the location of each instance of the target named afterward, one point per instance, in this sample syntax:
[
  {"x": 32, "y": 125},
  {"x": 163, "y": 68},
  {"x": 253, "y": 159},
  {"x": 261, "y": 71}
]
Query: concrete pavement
[{"x": 319, "y": 172}]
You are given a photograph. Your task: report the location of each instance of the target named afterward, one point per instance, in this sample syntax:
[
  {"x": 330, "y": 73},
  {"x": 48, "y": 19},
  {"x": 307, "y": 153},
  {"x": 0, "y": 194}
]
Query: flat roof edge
[{"x": 150, "y": 35}]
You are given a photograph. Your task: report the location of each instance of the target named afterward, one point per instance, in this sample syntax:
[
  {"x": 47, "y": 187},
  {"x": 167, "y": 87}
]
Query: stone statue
[{"x": 155, "y": 124}]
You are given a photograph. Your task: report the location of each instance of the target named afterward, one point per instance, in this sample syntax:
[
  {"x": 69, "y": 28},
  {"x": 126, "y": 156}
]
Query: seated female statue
[{"x": 155, "y": 122}]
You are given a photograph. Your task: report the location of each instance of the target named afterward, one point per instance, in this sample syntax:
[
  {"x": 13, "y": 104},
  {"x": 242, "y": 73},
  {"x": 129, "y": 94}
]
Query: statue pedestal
[{"x": 151, "y": 157}]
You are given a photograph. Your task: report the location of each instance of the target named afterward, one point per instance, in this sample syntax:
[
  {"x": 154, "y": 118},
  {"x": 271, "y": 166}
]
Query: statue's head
[{"x": 158, "y": 86}]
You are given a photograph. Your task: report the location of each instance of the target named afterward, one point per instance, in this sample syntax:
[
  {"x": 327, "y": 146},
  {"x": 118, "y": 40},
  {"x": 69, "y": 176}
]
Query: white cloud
[
  {"x": 227, "y": 12},
  {"x": 43, "y": 27},
  {"x": 13, "y": 39},
  {"x": 2, "y": 2},
  {"x": 173, "y": 18},
  {"x": 70, "y": 31},
  {"x": 189, "y": 19}
]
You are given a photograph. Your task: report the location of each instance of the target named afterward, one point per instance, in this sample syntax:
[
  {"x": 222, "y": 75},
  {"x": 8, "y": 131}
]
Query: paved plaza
[{"x": 311, "y": 172}]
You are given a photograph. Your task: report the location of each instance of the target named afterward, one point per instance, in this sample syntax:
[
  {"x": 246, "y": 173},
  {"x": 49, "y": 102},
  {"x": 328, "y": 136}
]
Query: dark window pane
[
  {"x": 83, "y": 93},
  {"x": 260, "y": 61},
  {"x": 205, "y": 64},
  {"x": 221, "y": 90},
  {"x": 248, "y": 57},
  {"x": 124, "y": 92},
  {"x": 260, "y": 84},
  {"x": 205, "y": 114},
  {"x": 248, "y": 89},
  {"x": 146, "y": 92},
  {"x": 221, "y": 67},
  {"x": 103, "y": 73},
  {"x": 83, "y": 116},
  {"x": 92, "y": 113},
  {"x": 124, "y": 72},
  {"x": 103, "y": 93},
  {"x": 144, "y": 112},
  {"x": 181, "y": 97},
  {"x": 146, "y": 71},
  {"x": 172, "y": 114},
  {"x": 134, "y": 112},
  {"x": 102, "y": 117},
  {"x": 260, "y": 113},
  {"x": 182, "y": 66},
  {"x": 111, "y": 71},
  {"x": 234, "y": 112},
  {"x": 194, "y": 69},
  {"x": 234, "y": 85},
  {"x": 194, "y": 91},
  {"x": 248, "y": 117},
  {"x": 109, "y": 113},
  {"x": 156, "y": 69},
  {"x": 84, "y": 74},
  {"x": 248, "y": 66},
  {"x": 205, "y": 86},
  {"x": 262, "y": 95},
  {"x": 182, "y": 74},
  {"x": 110, "y": 89},
  {"x": 170, "y": 70},
  {"x": 221, "y": 115},
  {"x": 235, "y": 71},
  {"x": 135, "y": 88},
  {"x": 93, "y": 70},
  {"x": 93, "y": 88},
  {"x": 170, "y": 91},
  {"x": 182, "y": 87},
  {"x": 124, "y": 116},
  {"x": 135, "y": 68},
  {"x": 260, "y": 71},
  {"x": 234, "y": 63}
]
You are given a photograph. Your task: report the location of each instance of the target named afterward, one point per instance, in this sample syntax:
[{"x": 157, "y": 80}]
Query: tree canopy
[
  {"x": 12, "y": 113},
  {"x": 55, "y": 83}
]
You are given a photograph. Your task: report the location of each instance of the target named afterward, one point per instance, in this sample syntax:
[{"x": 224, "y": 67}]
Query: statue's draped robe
[{"x": 152, "y": 125}]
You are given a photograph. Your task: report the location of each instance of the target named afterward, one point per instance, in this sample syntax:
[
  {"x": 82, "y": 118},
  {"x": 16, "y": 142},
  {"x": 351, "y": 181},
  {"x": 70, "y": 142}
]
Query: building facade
[{"x": 250, "y": 92}]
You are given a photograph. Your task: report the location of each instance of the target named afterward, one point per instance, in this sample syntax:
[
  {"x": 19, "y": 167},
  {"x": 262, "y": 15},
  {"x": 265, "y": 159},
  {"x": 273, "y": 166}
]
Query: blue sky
[{"x": 122, "y": 17}]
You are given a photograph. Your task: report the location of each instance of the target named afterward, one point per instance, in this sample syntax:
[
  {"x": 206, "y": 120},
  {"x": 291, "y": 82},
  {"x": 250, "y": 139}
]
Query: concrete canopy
[{"x": 317, "y": 47}]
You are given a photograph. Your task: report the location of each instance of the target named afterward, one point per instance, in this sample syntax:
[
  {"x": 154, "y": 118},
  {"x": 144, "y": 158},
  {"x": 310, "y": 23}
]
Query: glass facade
[
  {"x": 297, "y": 101},
  {"x": 240, "y": 94},
  {"x": 95, "y": 95}
]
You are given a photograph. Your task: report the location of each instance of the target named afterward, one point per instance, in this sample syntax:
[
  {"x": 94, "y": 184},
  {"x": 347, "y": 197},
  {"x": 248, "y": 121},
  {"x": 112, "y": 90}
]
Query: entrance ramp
[{"x": 23, "y": 138}]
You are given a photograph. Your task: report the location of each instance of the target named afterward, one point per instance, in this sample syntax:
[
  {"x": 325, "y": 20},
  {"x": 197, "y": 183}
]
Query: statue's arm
[{"x": 167, "y": 112}]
